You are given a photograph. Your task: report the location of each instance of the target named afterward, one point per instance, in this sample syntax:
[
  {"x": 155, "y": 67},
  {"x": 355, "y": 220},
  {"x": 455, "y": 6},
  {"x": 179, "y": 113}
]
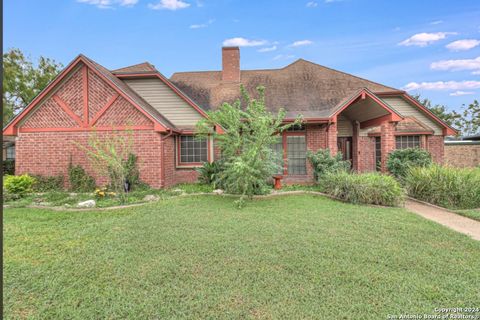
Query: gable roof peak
[{"x": 136, "y": 68}]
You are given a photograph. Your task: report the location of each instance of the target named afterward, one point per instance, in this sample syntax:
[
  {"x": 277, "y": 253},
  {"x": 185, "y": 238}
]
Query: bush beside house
[{"x": 401, "y": 160}]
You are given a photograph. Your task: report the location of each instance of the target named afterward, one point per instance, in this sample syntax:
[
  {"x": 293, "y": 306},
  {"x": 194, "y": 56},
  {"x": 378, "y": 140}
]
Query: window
[
  {"x": 404, "y": 142},
  {"x": 378, "y": 153},
  {"x": 193, "y": 150},
  {"x": 297, "y": 155},
  {"x": 10, "y": 154},
  {"x": 278, "y": 153}
]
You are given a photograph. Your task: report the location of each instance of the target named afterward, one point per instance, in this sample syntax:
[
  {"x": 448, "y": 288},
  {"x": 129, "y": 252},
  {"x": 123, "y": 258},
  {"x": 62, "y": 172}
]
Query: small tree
[
  {"x": 246, "y": 144},
  {"x": 111, "y": 155}
]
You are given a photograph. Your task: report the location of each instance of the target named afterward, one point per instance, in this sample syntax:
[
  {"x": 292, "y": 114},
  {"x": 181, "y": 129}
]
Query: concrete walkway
[{"x": 451, "y": 220}]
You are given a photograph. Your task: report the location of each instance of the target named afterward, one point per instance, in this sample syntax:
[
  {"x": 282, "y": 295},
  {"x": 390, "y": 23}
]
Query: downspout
[{"x": 162, "y": 140}]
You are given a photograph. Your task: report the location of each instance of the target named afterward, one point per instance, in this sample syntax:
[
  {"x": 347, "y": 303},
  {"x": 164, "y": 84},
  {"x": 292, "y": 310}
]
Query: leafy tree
[
  {"x": 452, "y": 118},
  {"x": 470, "y": 121},
  {"x": 22, "y": 80},
  {"x": 246, "y": 144},
  {"x": 467, "y": 121}
]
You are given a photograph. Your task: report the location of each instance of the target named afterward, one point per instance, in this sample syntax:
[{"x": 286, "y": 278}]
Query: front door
[{"x": 345, "y": 147}]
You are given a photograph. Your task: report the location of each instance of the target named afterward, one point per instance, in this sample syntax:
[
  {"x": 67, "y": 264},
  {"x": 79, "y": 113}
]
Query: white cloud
[
  {"x": 202, "y": 25},
  {"x": 107, "y": 4},
  {"x": 283, "y": 56},
  {"x": 461, "y": 93},
  {"x": 436, "y": 22},
  {"x": 311, "y": 4},
  {"x": 423, "y": 39},
  {"x": 458, "y": 65},
  {"x": 169, "y": 5},
  {"x": 242, "y": 42},
  {"x": 462, "y": 45},
  {"x": 301, "y": 43},
  {"x": 268, "y": 49},
  {"x": 443, "y": 85}
]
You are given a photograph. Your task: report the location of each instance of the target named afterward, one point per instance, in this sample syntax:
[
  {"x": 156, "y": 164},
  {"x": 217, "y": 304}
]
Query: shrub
[
  {"x": 45, "y": 184},
  {"x": 369, "y": 188},
  {"x": 80, "y": 181},
  {"x": 399, "y": 161},
  {"x": 9, "y": 167},
  {"x": 18, "y": 185},
  {"x": 453, "y": 188},
  {"x": 132, "y": 174},
  {"x": 324, "y": 163},
  {"x": 209, "y": 173}
]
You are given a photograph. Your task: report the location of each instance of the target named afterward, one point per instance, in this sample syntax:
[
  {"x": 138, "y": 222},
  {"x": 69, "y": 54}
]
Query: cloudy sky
[{"x": 427, "y": 47}]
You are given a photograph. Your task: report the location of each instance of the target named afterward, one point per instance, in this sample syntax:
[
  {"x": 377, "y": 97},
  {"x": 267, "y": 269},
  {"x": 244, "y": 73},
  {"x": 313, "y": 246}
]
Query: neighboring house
[{"x": 362, "y": 119}]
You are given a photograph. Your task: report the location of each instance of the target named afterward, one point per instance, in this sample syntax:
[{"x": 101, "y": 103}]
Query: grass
[
  {"x": 291, "y": 257},
  {"x": 472, "y": 213}
]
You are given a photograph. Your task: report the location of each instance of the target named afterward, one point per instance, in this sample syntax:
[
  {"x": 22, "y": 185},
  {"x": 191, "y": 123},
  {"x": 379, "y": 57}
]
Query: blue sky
[{"x": 430, "y": 47}]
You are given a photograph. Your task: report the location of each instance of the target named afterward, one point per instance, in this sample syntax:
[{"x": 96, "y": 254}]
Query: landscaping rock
[
  {"x": 87, "y": 204},
  {"x": 151, "y": 197},
  {"x": 178, "y": 190},
  {"x": 218, "y": 191}
]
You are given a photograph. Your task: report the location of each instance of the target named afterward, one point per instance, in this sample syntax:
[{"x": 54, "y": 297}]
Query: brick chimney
[{"x": 231, "y": 64}]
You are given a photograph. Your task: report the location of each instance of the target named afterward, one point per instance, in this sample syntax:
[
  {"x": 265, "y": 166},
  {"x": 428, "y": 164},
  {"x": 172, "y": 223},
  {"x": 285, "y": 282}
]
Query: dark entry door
[{"x": 345, "y": 147}]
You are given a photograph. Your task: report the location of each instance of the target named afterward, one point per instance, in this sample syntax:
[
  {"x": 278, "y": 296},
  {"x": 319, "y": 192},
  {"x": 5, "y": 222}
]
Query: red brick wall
[
  {"x": 122, "y": 113},
  {"x": 71, "y": 92},
  {"x": 332, "y": 138},
  {"x": 49, "y": 115},
  {"x": 388, "y": 141},
  {"x": 49, "y": 153},
  {"x": 174, "y": 175},
  {"x": 435, "y": 145},
  {"x": 366, "y": 154},
  {"x": 99, "y": 93}
]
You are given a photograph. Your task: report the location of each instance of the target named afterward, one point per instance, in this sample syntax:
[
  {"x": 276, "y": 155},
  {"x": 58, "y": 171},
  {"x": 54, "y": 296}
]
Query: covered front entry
[
  {"x": 344, "y": 145},
  {"x": 354, "y": 120}
]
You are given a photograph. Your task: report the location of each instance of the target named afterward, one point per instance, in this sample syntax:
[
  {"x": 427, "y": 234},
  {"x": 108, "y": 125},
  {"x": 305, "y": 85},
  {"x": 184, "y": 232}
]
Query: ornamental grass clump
[
  {"x": 367, "y": 188},
  {"x": 453, "y": 188}
]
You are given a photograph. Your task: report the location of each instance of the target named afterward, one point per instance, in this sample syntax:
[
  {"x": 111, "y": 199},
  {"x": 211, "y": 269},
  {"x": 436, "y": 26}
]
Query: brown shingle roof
[
  {"x": 301, "y": 87},
  {"x": 136, "y": 68}
]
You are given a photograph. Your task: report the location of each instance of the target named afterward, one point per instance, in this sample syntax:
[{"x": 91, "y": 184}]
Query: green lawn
[
  {"x": 471, "y": 213},
  {"x": 290, "y": 257}
]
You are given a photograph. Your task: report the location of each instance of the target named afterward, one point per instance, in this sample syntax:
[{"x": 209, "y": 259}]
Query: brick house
[{"x": 362, "y": 119}]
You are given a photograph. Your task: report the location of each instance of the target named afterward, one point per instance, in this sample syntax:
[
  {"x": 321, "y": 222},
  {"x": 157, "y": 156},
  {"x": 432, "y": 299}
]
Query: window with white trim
[
  {"x": 404, "y": 142},
  {"x": 192, "y": 150}
]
